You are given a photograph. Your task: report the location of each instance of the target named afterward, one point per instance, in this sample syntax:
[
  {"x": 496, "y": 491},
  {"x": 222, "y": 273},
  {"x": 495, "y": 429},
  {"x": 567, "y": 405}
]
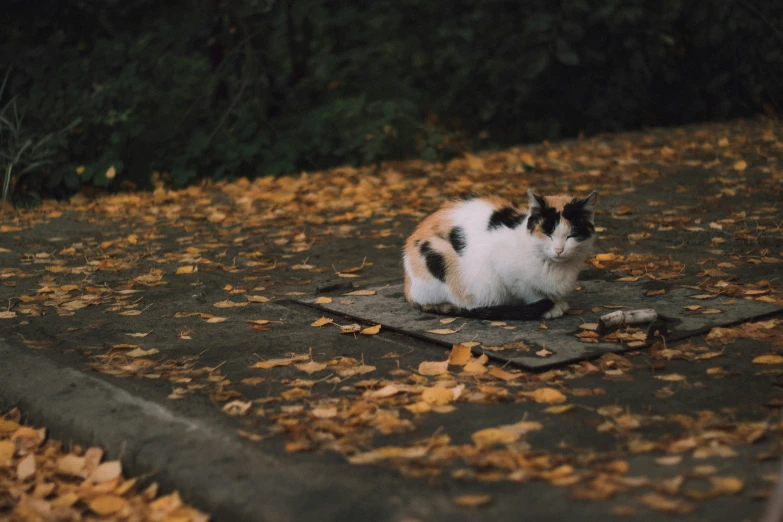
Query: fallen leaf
[
  {"x": 740, "y": 165},
  {"x": 350, "y": 328},
  {"x": 386, "y": 391},
  {"x": 433, "y": 367},
  {"x": 281, "y": 362},
  {"x": 504, "y": 375},
  {"x": 543, "y": 352},
  {"x": 138, "y": 335},
  {"x": 448, "y": 320},
  {"x": 138, "y": 352},
  {"x": 7, "y": 315},
  {"x": 768, "y": 359},
  {"x": 672, "y": 377},
  {"x": 361, "y": 292},
  {"x": 437, "y": 396},
  {"x": 104, "y": 505},
  {"x": 70, "y": 465},
  {"x": 460, "y": 354},
  {"x": 371, "y": 330},
  {"x": 323, "y": 300},
  {"x": 726, "y": 485},
  {"x": 106, "y": 472},
  {"x": 472, "y": 501},
  {"x": 322, "y": 321},
  {"x": 474, "y": 367},
  {"x": 559, "y": 409},
  {"x": 26, "y": 467},
  {"x": 7, "y": 450},
  {"x": 187, "y": 269},
  {"x": 254, "y": 299},
  {"x": 492, "y": 436},
  {"x": 229, "y": 304},
  {"x": 443, "y": 331},
  {"x": 237, "y": 407},
  {"x": 311, "y": 367},
  {"x": 545, "y": 396}
]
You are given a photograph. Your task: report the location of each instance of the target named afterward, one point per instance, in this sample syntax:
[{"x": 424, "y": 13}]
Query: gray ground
[{"x": 668, "y": 178}]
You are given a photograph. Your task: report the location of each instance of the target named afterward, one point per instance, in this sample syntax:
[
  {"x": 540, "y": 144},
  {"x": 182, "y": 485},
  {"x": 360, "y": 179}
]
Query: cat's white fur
[{"x": 505, "y": 265}]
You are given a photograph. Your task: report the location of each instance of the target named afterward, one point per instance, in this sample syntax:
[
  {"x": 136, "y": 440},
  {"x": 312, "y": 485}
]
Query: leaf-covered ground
[
  {"x": 41, "y": 480},
  {"x": 187, "y": 294}
]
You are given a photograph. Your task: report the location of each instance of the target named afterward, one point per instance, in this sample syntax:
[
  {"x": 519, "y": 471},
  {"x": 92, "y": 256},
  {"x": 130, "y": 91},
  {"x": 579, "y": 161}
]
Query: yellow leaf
[
  {"x": 311, "y": 367},
  {"x": 472, "y": 500},
  {"x": 111, "y": 172},
  {"x": 768, "y": 359},
  {"x": 546, "y": 396},
  {"x": 504, "y": 375},
  {"x": 474, "y": 367},
  {"x": 259, "y": 322},
  {"x": 740, "y": 165},
  {"x": 187, "y": 269},
  {"x": 726, "y": 485},
  {"x": 70, "y": 465},
  {"x": 491, "y": 436},
  {"x": 7, "y": 449},
  {"x": 281, "y": 362},
  {"x": 228, "y": 304},
  {"x": 474, "y": 162},
  {"x": 443, "y": 331},
  {"x": 371, "y": 330},
  {"x": 323, "y": 300},
  {"x": 322, "y": 322},
  {"x": 26, "y": 467},
  {"x": 361, "y": 292},
  {"x": 437, "y": 396},
  {"x": 672, "y": 377},
  {"x": 7, "y": 315},
  {"x": 257, "y": 299},
  {"x": 215, "y": 319},
  {"x": 106, "y": 472},
  {"x": 7, "y": 426},
  {"x": 460, "y": 354},
  {"x": 559, "y": 409},
  {"x": 386, "y": 391},
  {"x": 104, "y": 505},
  {"x": 433, "y": 367},
  {"x": 448, "y": 320}
]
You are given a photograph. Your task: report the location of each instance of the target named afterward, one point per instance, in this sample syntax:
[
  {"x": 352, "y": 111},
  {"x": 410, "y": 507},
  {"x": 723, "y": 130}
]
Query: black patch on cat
[
  {"x": 457, "y": 239},
  {"x": 547, "y": 216},
  {"x": 581, "y": 227},
  {"x": 469, "y": 196},
  {"x": 436, "y": 263},
  {"x": 505, "y": 217}
]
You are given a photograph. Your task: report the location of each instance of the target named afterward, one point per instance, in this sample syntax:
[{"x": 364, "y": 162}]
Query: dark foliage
[{"x": 225, "y": 88}]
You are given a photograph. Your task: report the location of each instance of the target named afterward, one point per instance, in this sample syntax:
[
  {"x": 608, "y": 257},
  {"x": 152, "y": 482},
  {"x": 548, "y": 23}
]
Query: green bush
[{"x": 226, "y": 88}]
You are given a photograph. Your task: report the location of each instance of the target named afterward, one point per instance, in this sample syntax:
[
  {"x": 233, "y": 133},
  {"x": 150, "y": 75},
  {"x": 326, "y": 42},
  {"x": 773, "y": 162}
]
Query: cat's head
[{"x": 561, "y": 226}]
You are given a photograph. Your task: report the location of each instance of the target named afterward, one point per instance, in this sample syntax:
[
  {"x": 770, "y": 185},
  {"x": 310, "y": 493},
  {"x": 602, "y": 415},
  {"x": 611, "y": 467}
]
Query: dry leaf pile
[{"x": 40, "y": 480}]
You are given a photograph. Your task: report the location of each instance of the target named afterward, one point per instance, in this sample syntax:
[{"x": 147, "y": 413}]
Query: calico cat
[{"x": 485, "y": 258}]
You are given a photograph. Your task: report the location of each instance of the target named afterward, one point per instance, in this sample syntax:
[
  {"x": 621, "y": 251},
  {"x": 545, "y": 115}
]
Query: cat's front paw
[{"x": 557, "y": 310}]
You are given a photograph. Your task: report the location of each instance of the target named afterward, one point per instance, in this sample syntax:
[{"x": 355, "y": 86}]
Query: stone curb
[{"x": 207, "y": 463}]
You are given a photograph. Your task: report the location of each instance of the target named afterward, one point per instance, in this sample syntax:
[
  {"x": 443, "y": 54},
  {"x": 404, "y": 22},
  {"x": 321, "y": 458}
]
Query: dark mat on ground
[{"x": 558, "y": 336}]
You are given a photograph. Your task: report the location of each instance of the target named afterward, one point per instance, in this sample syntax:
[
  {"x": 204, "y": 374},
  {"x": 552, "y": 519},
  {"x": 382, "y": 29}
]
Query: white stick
[{"x": 645, "y": 315}]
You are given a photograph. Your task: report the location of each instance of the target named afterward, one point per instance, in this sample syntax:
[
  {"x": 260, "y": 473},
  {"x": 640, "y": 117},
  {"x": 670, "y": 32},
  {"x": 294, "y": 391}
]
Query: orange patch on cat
[
  {"x": 498, "y": 203},
  {"x": 558, "y": 202}
]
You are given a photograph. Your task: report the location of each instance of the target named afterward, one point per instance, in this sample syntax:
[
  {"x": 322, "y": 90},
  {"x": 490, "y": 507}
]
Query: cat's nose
[{"x": 559, "y": 250}]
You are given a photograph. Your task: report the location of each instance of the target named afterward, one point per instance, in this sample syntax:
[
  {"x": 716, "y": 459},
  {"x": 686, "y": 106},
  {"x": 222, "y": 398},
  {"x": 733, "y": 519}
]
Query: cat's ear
[
  {"x": 590, "y": 202},
  {"x": 534, "y": 201}
]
